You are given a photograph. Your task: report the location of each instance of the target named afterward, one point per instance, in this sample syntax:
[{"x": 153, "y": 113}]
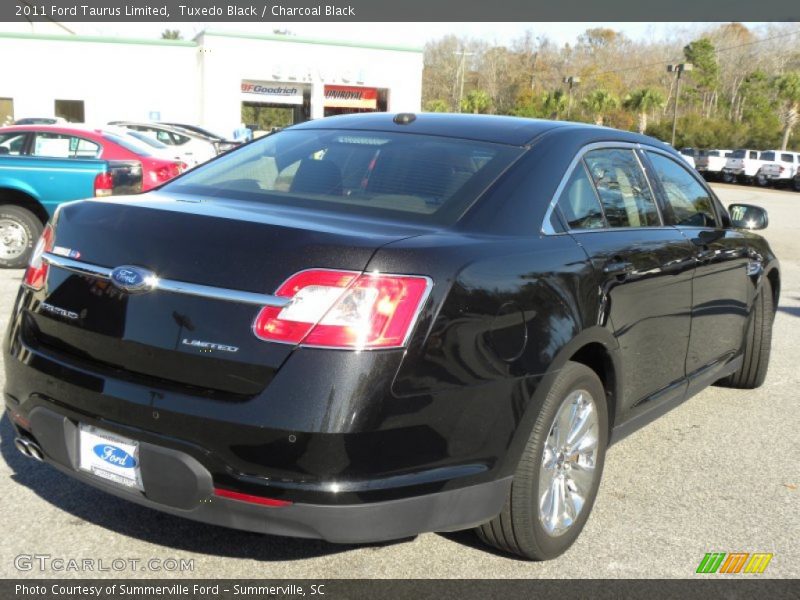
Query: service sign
[
  {"x": 269, "y": 91},
  {"x": 346, "y": 96}
]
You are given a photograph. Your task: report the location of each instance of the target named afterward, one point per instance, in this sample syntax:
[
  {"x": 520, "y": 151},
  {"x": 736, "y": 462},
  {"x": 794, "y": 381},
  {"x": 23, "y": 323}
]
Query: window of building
[
  {"x": 71, "y": 110},
  {"x": 6, "y": 111}
]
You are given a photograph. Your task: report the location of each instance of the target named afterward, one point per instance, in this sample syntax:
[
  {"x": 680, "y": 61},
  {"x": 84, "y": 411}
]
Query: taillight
[
  {"x": 164, "y": 174},
  {"x": 36, "y": 273},
  {"x": 344, "y": 309},
  {"x": 103, "y": 184}
]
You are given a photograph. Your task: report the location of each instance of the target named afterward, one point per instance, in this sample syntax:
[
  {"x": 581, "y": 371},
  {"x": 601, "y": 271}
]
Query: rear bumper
[{"x": 176, "y": 483}]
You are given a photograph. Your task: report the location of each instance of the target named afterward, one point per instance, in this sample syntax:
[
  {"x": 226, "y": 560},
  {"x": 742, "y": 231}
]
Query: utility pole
[
  {"x": 462, "y": 69},
  {"x": 677, "y": 69},
  {"x": 571, "y": 81}
]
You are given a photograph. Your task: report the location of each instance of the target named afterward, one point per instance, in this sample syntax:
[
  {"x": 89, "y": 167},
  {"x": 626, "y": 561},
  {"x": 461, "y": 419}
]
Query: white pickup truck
[
  {"x": 741, "y": 165},
  {"x": 710, "y": 163},
  {"x": 779, "y": 167}
]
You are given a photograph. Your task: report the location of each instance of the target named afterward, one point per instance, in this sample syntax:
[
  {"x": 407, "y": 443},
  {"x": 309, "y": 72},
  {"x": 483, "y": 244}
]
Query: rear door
[
  {"x": 643, "y": 269},
  {"x": 721, "y": 295}
]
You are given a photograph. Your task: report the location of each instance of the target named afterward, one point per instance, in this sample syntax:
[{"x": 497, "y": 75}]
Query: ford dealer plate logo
[
  {"x": 115, "y": 456},
  {"x": 133, "y": 279}
]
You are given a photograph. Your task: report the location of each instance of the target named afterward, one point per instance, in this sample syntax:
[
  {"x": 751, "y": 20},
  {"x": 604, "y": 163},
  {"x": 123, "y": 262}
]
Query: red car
[{"x": 77, "y": 141}]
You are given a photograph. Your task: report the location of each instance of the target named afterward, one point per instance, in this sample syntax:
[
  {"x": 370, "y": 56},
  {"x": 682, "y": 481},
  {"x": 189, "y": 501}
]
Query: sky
[{"x": 411, "y": 34}]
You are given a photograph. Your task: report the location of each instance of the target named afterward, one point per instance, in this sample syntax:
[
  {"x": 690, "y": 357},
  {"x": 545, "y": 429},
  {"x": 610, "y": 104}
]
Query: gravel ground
[{"x": 719, "y": 473}]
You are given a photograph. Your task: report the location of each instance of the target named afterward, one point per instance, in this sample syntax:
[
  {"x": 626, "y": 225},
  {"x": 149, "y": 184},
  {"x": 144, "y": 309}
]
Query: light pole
[
  {"x": 677, "y": 69},
  {"x": 571, "y": 81},
  {"x": 462, "y": 68}
]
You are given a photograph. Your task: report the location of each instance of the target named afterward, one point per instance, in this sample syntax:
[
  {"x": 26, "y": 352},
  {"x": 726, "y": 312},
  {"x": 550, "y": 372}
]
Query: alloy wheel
[{"x": 567, "y": 473}]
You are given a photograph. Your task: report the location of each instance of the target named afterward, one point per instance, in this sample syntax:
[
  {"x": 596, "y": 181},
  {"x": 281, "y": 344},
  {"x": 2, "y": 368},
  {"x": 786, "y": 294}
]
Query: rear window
[
  {"x": 414, "y": 177},
  {"x": 131, "y": 145},
  {"x": 767, "y": 156},
  {"x": 738, "y": 154}
]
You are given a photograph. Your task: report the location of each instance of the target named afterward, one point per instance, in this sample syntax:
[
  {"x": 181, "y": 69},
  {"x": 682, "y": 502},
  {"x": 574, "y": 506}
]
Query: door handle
[{"x": 618, "y": 267}]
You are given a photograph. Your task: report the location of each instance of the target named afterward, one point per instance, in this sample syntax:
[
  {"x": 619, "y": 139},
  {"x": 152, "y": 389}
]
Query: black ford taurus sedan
[{"x": 371, "y": 326}]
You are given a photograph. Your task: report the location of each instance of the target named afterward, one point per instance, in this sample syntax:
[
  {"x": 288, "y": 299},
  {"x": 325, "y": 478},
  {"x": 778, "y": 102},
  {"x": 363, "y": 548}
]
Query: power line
[{"x": 716, "y": 50}]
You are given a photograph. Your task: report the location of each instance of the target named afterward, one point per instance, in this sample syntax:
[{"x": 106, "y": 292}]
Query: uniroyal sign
[
  {"x": 345, "y": 96},
  {"x": 279, "y": 93}
]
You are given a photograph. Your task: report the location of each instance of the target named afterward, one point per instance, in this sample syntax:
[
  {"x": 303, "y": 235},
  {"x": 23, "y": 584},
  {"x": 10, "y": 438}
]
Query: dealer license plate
[{"x": 110, "y": 456}]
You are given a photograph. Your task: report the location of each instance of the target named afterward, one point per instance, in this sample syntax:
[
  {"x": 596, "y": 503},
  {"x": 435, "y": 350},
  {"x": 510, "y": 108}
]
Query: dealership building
[{"x": 218, "y": 80}]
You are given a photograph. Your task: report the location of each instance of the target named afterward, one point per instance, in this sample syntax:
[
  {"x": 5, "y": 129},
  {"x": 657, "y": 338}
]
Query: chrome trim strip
[
  {"x": 170, "y": 285},
  {"x": 76, "y": 266}
]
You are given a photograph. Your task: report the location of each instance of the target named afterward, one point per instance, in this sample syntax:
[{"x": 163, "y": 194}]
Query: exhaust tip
[
  {"x": 35, "y": 452},
  {"x": 22, "y": 445},
  {"x": 29, "y": 448}
]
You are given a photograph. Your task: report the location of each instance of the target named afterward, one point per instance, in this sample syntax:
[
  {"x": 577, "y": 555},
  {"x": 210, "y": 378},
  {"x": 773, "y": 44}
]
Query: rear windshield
[
  {"x": 418, "y": 178},
  {"x": 767, "y": 156},
  {"x": 146, "y": 139},
  {"x": 129, "y": 144},
  {"x": 738, "y": 154}
]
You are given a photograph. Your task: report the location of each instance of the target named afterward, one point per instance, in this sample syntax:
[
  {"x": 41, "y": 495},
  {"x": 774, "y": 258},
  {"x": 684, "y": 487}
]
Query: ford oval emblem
[
  {"x": 115, "y": 456},
  {"x": 133, "y": 279}
]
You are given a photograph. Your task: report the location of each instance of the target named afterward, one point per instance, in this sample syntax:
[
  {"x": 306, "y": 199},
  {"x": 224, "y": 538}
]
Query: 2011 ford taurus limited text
[{"x": 372, "y": 326}]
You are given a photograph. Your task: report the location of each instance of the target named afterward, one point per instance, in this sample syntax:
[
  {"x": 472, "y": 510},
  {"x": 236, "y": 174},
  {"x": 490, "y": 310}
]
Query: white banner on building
[{"x": 273, "y": 92}]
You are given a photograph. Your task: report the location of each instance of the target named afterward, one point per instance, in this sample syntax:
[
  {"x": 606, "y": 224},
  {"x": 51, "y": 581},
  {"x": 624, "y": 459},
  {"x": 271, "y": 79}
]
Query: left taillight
[
  {"x": 36, "y": 273},
  {"x": 103, "y": 184},
  {"x": 164, "y": 174},
  {"x": 344, "y": 309}
]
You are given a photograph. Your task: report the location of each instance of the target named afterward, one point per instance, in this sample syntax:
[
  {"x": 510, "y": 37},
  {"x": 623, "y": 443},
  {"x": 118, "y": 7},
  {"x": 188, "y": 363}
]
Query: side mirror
[{"x": 747, "y": 216}]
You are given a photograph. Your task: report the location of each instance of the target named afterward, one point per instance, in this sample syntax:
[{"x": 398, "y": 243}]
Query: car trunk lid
[{"x": 237, "y": 250}]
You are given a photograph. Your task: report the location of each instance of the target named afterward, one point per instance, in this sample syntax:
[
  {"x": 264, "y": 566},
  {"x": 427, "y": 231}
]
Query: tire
[
  {"x": 760, "y": 180},
  {"x": 728, "y": 177},
  {"x": 796, "y": 184},
  {"x": 520, "y": 528},
  {"x": 19, "y": 231},
  {"x": 757, "y": 343}
]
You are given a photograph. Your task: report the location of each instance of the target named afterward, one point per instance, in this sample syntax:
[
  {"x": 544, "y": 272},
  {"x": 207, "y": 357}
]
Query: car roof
[
  {"x": 71, "y": 129},
  {"x": 515, "y": 131}
]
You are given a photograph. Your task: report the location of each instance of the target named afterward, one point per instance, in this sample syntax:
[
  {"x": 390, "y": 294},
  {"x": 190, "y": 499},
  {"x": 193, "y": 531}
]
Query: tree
[
  {"x": 788, "y": 88},
  {"x": 171, "y": 34},
  {"x": 437, "y": 105},
  {"x": 598, "y": 103},
  {"x": 554, "y": 103},
  {"x": 477, "y": 101},
  {"x": 703, "y": 55},
  {"x": 642, "y": 101}
]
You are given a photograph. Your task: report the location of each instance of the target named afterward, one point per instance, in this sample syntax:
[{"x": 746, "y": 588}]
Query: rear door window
[
  {"x": 622, "y": 187},
  {"x": 579, "y": 204},
  {"x": 688, "y": 202}
]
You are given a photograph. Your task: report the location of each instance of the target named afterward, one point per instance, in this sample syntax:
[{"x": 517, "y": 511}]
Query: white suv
[
  {"x": 741, "y": 165},
  {"x": 710, "y": 163},
  {"x": 779, "y": 167}
]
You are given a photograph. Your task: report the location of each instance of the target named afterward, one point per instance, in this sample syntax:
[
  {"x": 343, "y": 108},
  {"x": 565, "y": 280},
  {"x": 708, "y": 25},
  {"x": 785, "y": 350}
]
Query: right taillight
[
  {"x": 36, "y": 273},
  {"x": 344, "y": 309},
  {"x": 103, "y": 184}
]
